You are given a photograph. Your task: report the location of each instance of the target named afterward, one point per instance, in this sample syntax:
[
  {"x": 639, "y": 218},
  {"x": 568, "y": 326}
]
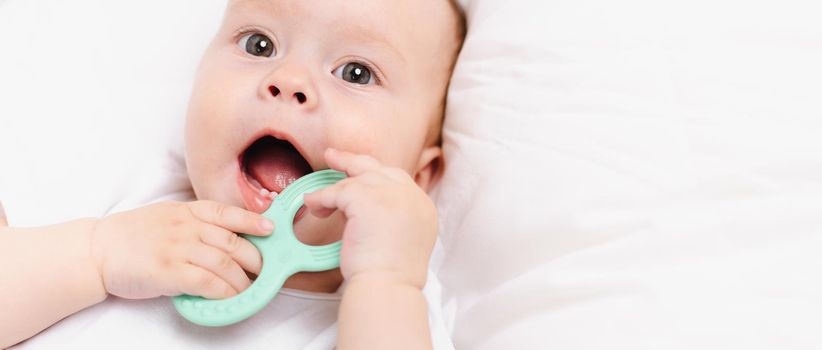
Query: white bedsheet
[
  {"x": 629, "y": 174},
  {"x": 635, "y": 174}
]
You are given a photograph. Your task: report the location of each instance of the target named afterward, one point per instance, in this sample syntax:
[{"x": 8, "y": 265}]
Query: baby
[{"x": 285, "y": 88}]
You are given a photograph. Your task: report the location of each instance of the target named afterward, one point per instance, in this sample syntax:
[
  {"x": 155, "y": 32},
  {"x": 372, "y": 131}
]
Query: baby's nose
[
  {"x": 299, "y": 95},
  {"x": 290, "y": 83}
]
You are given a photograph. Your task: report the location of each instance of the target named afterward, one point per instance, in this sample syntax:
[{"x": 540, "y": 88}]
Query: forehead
[
  {"x": 349, "y": 8},
  {"x": 359, "y": 17},
  {"x": 399, "y": 24}
]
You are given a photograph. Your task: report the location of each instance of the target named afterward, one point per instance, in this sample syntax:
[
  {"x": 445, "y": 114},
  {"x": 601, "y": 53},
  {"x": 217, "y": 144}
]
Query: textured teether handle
[
  {"x": 283, "y": 255},
  {"x": 223, "y": 312}
]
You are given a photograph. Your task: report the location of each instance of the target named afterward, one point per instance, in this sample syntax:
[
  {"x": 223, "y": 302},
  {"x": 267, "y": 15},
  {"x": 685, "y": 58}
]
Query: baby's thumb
[
  {"x": 315, "y": 205},
  {"x": 3, "y": 221}
]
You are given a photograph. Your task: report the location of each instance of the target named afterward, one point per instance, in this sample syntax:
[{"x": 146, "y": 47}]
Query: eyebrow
[
  {"x": 369, "y": 36},
  {"x": 363, "y": 33}
]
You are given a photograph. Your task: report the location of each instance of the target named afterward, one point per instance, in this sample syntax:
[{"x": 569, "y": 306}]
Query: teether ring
[{"x": 283, "y": 255}]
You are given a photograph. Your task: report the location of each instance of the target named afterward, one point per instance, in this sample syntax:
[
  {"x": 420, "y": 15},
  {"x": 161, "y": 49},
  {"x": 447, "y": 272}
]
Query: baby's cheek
[
  {"x": 202, "y": 173},
  {"x": 217, "y": 189}
]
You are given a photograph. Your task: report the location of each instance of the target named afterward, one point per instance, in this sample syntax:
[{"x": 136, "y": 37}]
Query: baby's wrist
[
  {"x": 88, "y": 228},
  {"x": 382, "y": 279},
  {"x": 84, "y": 283}
]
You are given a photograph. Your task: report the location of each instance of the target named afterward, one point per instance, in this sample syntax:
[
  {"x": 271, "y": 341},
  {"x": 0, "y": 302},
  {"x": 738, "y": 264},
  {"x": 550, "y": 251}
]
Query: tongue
[{"x": 275, "y": 163}]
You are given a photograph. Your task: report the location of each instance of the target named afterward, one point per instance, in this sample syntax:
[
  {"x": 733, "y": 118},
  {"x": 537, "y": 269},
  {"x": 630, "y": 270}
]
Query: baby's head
[{"x": 283, "y": 80}]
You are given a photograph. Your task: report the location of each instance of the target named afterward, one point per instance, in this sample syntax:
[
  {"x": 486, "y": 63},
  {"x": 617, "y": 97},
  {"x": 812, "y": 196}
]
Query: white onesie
[{"x": 293, "y": 320}]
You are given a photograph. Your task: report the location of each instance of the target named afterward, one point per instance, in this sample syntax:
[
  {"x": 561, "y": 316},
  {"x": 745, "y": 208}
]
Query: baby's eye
[
  {"x": 257, "y": 44},
  {"x": 354, "y": 72}
]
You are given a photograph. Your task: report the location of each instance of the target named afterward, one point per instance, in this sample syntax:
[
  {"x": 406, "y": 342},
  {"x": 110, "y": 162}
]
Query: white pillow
[
  {"x": 635, "y": 174},
  {"x": 90, "y": 92}
]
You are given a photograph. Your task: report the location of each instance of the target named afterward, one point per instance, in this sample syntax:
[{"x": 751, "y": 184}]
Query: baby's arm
[
  {"x": 381, "y": 311},
  {"x": 167, "y": 248},
  {"x": 389, "y": 234},
  {"x": 47, "y": 274}
]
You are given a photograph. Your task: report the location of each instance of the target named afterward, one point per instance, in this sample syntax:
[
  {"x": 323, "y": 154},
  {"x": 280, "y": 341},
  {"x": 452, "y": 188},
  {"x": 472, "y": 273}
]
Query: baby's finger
[
  {"x": 220, "y": 264},
  {"x": 240, "y": 249},
  {"x": 195, "y": 280},
  {"x": 322, "y": 201},
  {"x": 232, "y": 218},
  {"x": 321, "y": 212},
  {"x": 350, "y": 163},
  {"x": 336, "y": 196}
]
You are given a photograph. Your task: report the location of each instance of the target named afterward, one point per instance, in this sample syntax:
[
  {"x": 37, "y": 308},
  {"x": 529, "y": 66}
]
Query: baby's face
[{"x": 284, "y": 80}]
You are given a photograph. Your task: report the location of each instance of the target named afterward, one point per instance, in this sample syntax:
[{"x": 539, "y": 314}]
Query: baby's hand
[
  {"x": 174, "y": 248},
  {"x": 391, "y": 222}
]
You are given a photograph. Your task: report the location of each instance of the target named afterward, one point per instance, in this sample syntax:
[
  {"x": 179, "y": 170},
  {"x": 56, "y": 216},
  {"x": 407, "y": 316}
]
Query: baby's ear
[{"x": 429, "y": 167}]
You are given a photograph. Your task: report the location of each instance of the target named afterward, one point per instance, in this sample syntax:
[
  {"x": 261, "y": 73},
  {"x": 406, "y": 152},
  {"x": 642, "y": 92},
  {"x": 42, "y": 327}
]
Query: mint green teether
[{"x": 283, "y": 255}]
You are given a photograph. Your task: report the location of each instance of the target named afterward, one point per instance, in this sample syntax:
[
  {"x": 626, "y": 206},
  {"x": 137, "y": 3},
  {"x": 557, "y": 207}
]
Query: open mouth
[{"x": 267, "y": 167}]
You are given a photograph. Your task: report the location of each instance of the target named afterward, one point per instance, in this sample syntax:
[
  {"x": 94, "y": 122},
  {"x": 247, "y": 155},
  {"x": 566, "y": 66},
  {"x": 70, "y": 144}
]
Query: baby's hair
[
  {"x": 435, "y": 136},
  {"x": 461, "y": 25}
]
